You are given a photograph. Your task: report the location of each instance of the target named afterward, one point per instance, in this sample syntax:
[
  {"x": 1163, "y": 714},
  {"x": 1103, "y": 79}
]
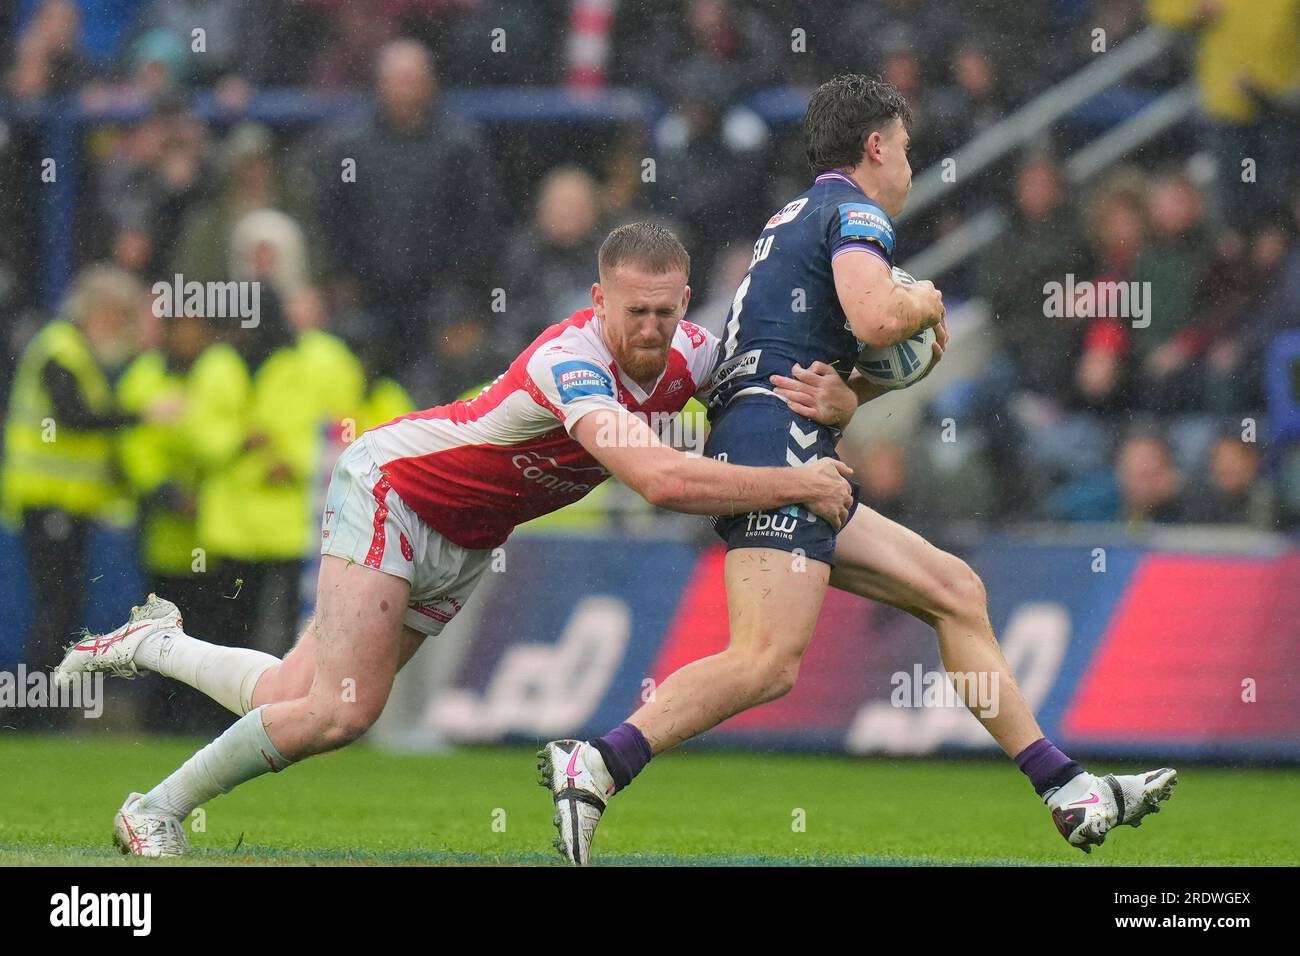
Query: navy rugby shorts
[{"x": 762, "y": 431}]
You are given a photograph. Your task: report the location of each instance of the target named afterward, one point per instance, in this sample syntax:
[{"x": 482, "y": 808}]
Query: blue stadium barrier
[
  {"x": 114, "y": 582},
  {"x": 1282, "y": 383},
  {"x": 1128, "y": 658},
  {"x": 1125, "y": 659}
]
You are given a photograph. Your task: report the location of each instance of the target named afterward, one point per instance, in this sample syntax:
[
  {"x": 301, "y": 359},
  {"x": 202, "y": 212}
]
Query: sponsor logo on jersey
[
  {"x": 865, "y": 217},
  {"x": 547, "y": 472},
  {"x": 693, "y": 332},
  {"x": 581, "y": 379},
  {"x": 442, "y": 608},
  {"x": 746, "y": 363},
  {"x": 788, "y": 213},
  {"x": 866, "y": 222},
  {"x": 778, "y": 524}
]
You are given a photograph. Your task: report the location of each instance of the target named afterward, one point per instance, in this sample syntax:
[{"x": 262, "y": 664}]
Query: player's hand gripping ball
[{"x": 901, "y": 365}]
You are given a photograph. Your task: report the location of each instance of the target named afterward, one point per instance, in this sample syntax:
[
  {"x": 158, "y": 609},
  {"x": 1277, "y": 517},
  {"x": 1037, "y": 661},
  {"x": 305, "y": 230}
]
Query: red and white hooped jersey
[{"x": 473, "y": 470}]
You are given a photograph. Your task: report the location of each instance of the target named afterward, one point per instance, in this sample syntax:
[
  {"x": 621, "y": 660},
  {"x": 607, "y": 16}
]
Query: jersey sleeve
[
  {"x": 861, "y": 226},
  {"x": 570, "y": 384}
]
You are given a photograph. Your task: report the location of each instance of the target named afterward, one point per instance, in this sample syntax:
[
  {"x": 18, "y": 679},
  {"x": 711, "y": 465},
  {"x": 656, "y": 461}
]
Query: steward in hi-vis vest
[{"x": 60, "y": 471}]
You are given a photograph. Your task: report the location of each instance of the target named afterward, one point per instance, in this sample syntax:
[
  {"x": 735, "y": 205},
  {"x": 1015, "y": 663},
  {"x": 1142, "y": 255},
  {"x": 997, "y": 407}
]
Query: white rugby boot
[
  {"x": 574, "y": 772},
  {"x": 1089, "y": 807},
  {"x": 114, "y": 653},
  {"x": 142, "y": 833}
]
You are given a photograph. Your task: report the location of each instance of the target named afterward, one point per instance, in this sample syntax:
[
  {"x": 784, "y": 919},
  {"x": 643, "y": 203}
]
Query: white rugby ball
[{"x": 898, "y": 366}]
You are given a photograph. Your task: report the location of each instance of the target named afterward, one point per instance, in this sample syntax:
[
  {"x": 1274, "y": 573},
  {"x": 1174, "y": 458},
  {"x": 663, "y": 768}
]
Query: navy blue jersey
[{"x": 785, "y": 310}]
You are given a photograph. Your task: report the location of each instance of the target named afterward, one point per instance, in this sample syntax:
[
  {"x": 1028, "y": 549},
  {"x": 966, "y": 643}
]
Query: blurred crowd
[
  {"x": 1157, "y": 414},
  {"x": 406, "y": 252},
  {"x": 436, "y": 216}
]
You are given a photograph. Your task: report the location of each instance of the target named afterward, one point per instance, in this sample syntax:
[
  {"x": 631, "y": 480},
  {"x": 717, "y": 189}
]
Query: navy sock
[{"x": 625, "y": 752}]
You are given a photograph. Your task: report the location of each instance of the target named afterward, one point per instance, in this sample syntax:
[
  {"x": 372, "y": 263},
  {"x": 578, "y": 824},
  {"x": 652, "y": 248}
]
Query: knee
[
  {"x": 767, "y": 675},
  {"x": 343, "y": 722},
  {"x": 278, "y": 683},
  {"x": 781, "y": 676},
  {"x": 957, "y": 591}
]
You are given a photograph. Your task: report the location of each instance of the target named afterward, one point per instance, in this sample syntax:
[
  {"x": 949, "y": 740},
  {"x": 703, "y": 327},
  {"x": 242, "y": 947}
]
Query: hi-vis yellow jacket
[
  {"x": 153, "y": 455},
  {"x": 258, "y": 440},
  {"x": 1253, "y": 40},
  {"x": 48, "y": 464},
  {"x": 385, "y": 401}
]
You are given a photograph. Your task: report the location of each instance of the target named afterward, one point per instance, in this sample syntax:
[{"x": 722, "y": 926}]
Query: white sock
[
  {"x": 1075, "y": 789},
  {"x": 243, "y": 752},
  {"x": 600, "y": 774},
  {"x": 226, "y": 674}
]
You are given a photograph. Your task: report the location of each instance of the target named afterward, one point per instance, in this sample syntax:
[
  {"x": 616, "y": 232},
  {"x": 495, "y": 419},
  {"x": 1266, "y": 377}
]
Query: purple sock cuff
[
  {"x": 631, "y": 743},
  {"x": 1041, "y": 762},
  {"x": 625, "y": 751}
]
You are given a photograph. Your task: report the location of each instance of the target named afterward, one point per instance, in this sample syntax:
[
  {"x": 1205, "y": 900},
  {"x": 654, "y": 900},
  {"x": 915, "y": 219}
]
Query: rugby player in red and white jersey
[{"x": 416, "y": 506}]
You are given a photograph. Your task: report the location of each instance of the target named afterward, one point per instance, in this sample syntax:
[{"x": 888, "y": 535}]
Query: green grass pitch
[{"x": 483, "y": 806}]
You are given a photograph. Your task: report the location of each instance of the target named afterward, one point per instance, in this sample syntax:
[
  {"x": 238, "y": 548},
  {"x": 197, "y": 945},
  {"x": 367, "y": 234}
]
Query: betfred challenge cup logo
[{"x": 580, "y": 379}]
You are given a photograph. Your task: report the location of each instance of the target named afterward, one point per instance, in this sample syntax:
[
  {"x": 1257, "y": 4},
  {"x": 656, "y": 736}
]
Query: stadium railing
[
  {"x": 988, "y": 225},
  {"x": 1039, "y": 114}
]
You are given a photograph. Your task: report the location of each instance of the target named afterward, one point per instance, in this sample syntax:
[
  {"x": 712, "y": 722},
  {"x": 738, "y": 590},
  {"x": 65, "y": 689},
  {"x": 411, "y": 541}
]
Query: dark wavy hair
[{"x": 842, "y": 113}]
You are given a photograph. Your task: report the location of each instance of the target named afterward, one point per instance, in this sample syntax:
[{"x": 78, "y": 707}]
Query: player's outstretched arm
[
  {"x": 671, "y": 479},
  {"x": 882, "y": 312}
]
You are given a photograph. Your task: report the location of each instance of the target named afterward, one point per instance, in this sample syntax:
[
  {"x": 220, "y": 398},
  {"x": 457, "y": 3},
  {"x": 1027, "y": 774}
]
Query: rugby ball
[{"x": 901, "y": 365}]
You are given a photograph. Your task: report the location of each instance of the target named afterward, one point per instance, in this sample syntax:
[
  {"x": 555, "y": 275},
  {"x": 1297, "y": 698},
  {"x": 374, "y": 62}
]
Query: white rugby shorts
[{"x": 366, "y": 521}]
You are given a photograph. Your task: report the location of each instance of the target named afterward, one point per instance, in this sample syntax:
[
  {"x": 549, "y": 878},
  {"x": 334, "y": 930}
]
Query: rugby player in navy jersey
[{"x": 831, "y": 251}]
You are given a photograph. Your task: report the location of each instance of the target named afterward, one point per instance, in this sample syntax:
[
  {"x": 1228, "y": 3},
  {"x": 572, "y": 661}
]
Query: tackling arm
[
  {"x": 679, "y": 482},
  {"x": 818, "y": 392}
]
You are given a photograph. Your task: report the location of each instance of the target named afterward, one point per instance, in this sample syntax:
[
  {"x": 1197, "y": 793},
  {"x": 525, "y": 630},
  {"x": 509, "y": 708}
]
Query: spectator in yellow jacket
[
  {"x": 59, "y": 473},
  {"x": 161, "y": 464},
  {"x": 262, "y": 406},
  {"x": 1248, "y": 71},
  {"x": 275, "y": 389}
]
